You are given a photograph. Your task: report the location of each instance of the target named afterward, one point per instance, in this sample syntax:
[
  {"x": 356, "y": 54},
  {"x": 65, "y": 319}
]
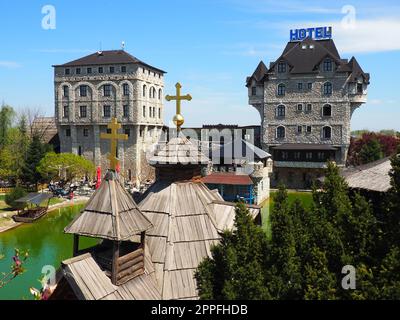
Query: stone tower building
[
  {"x": 306, "y": 99},
  {"x": 93, "y": 89}
]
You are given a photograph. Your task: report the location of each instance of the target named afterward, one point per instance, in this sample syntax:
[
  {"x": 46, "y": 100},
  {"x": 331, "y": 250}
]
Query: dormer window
[
  {"x": 359, "y": 88},
  {"x": 253, "y": 91},
  {"x": 281, "y": 67},
  {"x": 327, "y": 65}
]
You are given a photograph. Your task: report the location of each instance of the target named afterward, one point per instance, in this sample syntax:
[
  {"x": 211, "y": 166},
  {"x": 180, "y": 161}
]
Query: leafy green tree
[
  {"x": 235, "y": 270},
  {"x": 64, "y": 165},
  {"x": 371, "y": 151}
]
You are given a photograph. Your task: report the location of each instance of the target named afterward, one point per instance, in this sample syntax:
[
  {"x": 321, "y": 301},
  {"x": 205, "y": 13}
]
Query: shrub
[{"x": 15, "y": 194}]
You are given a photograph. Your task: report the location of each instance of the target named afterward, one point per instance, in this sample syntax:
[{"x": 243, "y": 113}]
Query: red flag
[
  {"x": 118, "y": 168},
  {"x": 98, "y": 182}
]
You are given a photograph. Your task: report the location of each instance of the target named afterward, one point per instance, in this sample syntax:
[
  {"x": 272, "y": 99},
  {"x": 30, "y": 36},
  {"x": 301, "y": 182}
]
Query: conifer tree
[
  {"x": 236, "y": 268},
  {"x": 284, "y": 278}
]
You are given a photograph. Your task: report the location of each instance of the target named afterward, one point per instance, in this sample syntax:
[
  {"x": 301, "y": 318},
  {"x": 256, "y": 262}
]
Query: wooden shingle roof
[
  {"x": 111, "y": 213},
  {"x": 89, "y": 282},
  {"x": 179, "y": 150},
  {"x": 373, "y": 176},
  {"x": 186, "y": 224}
]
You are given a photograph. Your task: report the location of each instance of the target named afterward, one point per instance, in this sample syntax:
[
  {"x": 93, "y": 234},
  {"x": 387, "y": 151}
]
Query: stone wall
[{"x": 144, "y": 129}]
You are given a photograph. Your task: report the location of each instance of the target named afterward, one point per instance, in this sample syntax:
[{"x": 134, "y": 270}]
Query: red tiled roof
[{"x": 227, "y": 178}]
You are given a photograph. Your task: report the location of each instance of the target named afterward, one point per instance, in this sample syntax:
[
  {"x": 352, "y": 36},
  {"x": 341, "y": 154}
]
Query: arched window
[
  {"x": 144, "y": 111},
  {"x": 327, "y": 88},
  {"x": 281, "y": 89},
  {"x": 159, "y": 113},
  {"x": 154, "y": 93},
  {"x": 280, "y": 132},
  {"x": 150, "y": 112},
  {"x": 144, "y": 90},
  {"x": 150, "y": 92},
  {"x": 327, "y": 132},
  {"x": 159, "y": 94},
  {"x": 281, "y": 111},
  {"x": 327, "y": 110}
]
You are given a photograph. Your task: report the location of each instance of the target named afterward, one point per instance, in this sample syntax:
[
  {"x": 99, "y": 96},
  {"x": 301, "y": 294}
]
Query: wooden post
[
  {"x": 114, "y": 271},
  {"x": 76, "y": 245},
  {"x": 142, "y": 240}
]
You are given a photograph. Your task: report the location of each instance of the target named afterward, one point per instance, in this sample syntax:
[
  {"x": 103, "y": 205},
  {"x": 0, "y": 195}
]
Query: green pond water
[{"x": 47, "y": 245}]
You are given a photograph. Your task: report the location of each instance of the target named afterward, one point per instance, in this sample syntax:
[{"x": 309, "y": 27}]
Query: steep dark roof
[
  {"x": 107, "y": 57},
  {"x": 259, "y": 73},
  {"x": 357, "y": 71},
  {"x": 306, "y": 60}
]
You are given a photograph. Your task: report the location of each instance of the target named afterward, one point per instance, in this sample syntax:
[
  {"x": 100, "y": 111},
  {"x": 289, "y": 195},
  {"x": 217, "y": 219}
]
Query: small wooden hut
[{"x": 34, "y": 208}]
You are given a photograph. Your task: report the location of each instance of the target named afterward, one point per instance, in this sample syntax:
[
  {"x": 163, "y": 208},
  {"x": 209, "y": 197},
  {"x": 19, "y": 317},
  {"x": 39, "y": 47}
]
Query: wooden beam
[
  {"x": 76, "y": 245},
  {"x": 114, "y": 270},
  {"x": 143, "y": 239}
]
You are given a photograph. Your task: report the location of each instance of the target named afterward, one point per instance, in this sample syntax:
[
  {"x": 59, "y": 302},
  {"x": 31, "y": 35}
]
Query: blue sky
[{"x": 210, "y": 46}]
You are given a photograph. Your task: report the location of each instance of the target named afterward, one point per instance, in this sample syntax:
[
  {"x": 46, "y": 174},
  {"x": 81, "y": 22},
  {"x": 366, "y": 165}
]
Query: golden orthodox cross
[
  {"x": 178, "y": 118},
  {"x": 114, "y": 136}
]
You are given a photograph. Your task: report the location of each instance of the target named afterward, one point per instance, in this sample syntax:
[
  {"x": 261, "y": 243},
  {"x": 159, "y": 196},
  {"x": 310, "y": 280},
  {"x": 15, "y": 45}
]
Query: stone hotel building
[
  {"x": 306, "y": 99},
  {"x": 93, "y": 89}
]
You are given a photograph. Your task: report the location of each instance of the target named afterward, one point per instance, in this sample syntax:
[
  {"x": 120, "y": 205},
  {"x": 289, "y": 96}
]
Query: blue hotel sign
[{"x": 314, "y": 33}]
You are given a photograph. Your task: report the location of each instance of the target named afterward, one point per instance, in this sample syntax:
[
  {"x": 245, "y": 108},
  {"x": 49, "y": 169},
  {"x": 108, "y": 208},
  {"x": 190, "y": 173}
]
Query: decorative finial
[
  {"x": 178, "y": 118},
  {"x": 114, "y": 136}
]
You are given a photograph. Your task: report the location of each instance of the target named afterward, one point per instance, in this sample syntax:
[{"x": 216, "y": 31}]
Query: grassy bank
[{"x": 305, "y": 197}]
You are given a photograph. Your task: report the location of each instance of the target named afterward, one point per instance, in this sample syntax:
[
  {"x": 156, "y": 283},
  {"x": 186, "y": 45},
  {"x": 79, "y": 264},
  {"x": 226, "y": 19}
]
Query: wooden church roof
[
  {"x": 111, "y": 213},
  {"x": 179, "y": 150},
  {"x": 188, "y": 219}
]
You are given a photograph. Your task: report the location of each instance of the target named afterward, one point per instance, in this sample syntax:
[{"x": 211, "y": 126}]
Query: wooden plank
[
  {"x": 130, "y": 263},
  {"x": 130, "y": 256},
  {"x": 131, "y": 270}
]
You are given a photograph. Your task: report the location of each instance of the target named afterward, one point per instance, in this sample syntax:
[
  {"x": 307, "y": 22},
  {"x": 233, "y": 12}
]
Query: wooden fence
[{"x": 6, "y": 190}]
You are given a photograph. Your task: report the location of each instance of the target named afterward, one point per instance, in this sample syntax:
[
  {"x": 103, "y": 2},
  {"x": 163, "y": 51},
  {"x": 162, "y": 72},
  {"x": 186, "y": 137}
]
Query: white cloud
[{"x": 9, "y": 64}]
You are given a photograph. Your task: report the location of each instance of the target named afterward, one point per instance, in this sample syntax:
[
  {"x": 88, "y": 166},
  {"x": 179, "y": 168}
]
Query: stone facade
[
  {"x": 88, "y": 95},
  {"x": 300, "y": 106}
]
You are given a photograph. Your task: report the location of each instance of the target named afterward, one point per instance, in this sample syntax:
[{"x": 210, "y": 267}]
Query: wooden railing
[{"x": 130, "y": 265}]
